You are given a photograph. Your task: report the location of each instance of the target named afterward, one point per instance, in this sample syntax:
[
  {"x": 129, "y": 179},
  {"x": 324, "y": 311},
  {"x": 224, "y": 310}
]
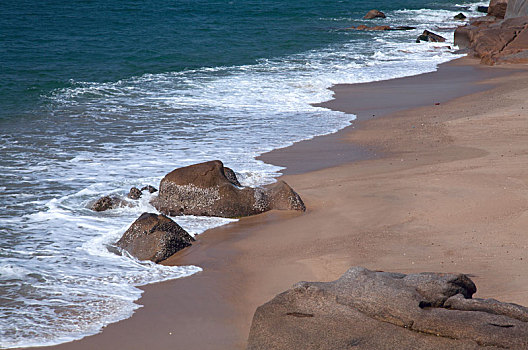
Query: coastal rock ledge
[
  {"x": 210, "y": 189},
  {"x": 380, "y": 310}
]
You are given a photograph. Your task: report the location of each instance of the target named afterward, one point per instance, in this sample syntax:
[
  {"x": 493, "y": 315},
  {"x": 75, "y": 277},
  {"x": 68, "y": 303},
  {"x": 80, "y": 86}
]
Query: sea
[{"x": 97, "y": 96}]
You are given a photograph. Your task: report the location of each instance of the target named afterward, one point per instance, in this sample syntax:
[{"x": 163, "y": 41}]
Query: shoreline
[{"x": 248, "y": 262}]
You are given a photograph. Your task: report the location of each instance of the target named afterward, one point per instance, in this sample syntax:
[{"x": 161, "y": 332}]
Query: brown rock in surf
[{"x": 205, "y": 189}]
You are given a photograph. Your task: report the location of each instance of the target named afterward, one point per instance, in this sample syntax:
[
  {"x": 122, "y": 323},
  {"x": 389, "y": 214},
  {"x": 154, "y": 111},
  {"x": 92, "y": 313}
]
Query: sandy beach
[{"x": 433, "y": 176}]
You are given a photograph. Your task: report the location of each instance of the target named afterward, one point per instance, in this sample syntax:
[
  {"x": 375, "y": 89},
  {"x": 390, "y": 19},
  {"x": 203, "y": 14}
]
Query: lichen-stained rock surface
[
  {"x": 154, "y": 237},
  {"x": 379, "y": 310},
  {"x": 210, "y": 189}
]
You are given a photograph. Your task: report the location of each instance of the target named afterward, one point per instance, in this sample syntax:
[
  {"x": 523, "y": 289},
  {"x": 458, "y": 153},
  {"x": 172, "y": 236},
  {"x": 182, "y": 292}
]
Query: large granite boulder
[
  {"x": 497, "y": 8},
  {"x": 374, "y": 14},
  {"x": 517, "y": 8},
  {"x": 154, "y": 237},
  {"x": 207, "y": 189},
  {"x": 504, "y": 41},
  {"x": 379, "y": 310}
]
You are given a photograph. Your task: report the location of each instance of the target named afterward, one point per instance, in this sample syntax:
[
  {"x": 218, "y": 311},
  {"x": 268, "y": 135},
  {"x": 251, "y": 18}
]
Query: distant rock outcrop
[
  {"x": 379, "y": 310},
  {"x": 460, "y": 16},
  {"x": 208, "y": 189},
  {"x": 374, "y": 14},
  {"x": 134, "y": 193},
  {"x": 154, "y": 237},
  {"x": 495, "y": 42}
]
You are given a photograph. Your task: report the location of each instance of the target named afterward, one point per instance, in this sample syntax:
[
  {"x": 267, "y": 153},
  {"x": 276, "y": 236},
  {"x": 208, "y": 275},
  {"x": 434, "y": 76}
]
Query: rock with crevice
[
  {"x": 495, "y": 42},
  {"x": 207, "y": 189},
  {"x": 380, "y": 310},
  {"x": 154, "y": 237}
]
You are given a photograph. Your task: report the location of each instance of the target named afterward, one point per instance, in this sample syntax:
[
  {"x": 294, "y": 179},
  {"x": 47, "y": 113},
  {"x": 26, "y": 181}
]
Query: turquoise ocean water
[{"x": 98, "y": 96}]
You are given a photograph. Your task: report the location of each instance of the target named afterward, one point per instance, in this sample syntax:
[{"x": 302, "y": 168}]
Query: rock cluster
[
  {"x": 154, "y": 237},
  {"x": 495, "y": 42},
  {"x": 379, "y": 310},
  {"x": 500, "y": 37},
  {"x": 210, "y": 189}
]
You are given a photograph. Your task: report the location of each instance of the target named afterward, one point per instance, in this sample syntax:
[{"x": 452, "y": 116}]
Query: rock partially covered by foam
[
  {"x": 108, "y": 202},
  {"x": 379, "y": 310},
  {"x": 154, "y": 237},
  {"x": 210, "y": 189}
]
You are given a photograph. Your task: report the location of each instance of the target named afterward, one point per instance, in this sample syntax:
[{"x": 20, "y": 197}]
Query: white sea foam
[{"x": 103, "y": 138}]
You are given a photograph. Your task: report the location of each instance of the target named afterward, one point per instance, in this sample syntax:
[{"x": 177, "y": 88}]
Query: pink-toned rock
[
  {"x": 496, "y": 42},
  {"x": 497, "y": 8}
]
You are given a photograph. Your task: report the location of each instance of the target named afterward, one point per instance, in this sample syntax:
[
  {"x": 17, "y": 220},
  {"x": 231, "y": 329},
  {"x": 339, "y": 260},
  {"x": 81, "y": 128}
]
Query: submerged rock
[
  {"x": 381, "y": 310},
  {"x": 108, "y": 202},
  {"x": 431, "y": 37},
  {"x": 205, "y": 189},
  {"x": 374, "y": 14},
  {"x": 134, "y": 193},
  {"x": 154, "y": 237}
]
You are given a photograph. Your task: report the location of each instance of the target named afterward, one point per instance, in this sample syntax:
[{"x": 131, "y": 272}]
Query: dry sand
[{"x": 448, "y": 192}]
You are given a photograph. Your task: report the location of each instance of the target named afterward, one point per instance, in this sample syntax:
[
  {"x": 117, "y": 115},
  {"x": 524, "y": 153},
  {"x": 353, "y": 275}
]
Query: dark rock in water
[
  {"x": 402, "y": 28},
  {"x": 231, "y": 176},
  {"x": 134, "y": 193},
  {"x": 107, "y": 202},
  {"x": 460, "y": 16},
  {"x": 374, "y": 14},
  {"x": 483, "y": 9},
  {"x": 381, "y": 310},
  {"x": 431, "y": 37},
  {"x": 149, "y": 188},
  {"x": 497, "y": 8},
  {"x": 154, "y": 237},
  {"x": 204, "y": 189}
]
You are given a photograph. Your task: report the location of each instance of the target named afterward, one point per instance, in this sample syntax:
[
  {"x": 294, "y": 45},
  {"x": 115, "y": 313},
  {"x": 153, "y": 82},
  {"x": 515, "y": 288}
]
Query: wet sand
[{"x": 421, "y": 187}]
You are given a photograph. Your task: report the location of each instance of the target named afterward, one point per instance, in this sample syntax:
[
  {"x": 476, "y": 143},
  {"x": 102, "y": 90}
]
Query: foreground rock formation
[
  {"x": 379, "y": 310},
  {"x": 496, "y": 40},
  {"x": 210, "y": 189},
  {"x": 154, "y": 237}
]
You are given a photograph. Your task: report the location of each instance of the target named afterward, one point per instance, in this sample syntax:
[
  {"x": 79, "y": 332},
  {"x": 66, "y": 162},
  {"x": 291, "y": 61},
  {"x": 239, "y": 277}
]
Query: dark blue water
[
  {"x": 99, "y": 96},
  {"x": 46, "y": 44}
]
